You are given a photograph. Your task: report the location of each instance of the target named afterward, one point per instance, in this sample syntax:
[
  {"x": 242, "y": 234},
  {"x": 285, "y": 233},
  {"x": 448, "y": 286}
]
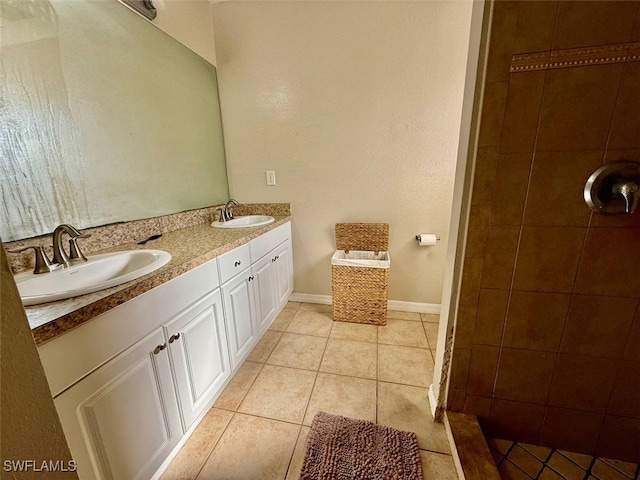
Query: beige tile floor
[{"x": 306, "y": 362}]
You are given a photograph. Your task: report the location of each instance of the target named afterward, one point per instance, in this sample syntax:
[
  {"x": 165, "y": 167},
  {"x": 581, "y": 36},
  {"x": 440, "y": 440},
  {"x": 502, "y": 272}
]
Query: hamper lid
[{"x": 362, "y": 236}]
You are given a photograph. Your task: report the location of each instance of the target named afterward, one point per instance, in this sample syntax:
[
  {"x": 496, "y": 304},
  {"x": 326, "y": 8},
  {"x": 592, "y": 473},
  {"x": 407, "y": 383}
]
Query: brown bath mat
[{"x": 340, "y": 448}]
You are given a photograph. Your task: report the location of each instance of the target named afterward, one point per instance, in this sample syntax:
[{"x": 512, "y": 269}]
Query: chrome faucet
[
  {"x": 59, "y": 255},
  {"x": 227, "y": 211}
]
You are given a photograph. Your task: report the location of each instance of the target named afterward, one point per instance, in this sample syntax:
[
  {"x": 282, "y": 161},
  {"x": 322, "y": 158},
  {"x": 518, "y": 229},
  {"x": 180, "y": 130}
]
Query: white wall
[
  {"x": 356, "y": 106},
  {"x": 189, "y": 22}
]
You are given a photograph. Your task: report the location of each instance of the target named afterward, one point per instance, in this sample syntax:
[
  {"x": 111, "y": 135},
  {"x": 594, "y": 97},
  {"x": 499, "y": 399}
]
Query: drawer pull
[
  {"x": 237, "y": 263},
  {"x": 173, "y": 338},
  {"x": 159, "y": 348}
]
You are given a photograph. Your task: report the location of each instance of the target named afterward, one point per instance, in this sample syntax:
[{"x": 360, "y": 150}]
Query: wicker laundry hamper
[{"x": 360, "y": 273}]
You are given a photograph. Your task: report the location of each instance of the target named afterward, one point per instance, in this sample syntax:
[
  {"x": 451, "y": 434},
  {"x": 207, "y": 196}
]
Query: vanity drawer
[
  {"x": 265, "y": 243},
  {"x": 233, "y": 262}
]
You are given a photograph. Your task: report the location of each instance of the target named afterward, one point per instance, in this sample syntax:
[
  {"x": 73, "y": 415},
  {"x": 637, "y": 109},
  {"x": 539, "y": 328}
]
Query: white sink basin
[
  {"x": 97, "y": 273},
  {"x": 246, "y": 221}
]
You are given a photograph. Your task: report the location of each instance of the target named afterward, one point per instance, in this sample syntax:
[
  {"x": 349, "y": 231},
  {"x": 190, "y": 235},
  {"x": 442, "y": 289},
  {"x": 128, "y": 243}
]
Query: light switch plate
[{"x": 271, "y": 177}]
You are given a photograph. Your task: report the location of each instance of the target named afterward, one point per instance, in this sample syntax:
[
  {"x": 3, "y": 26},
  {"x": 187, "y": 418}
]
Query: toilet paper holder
[{"x": 427, "y": 239}]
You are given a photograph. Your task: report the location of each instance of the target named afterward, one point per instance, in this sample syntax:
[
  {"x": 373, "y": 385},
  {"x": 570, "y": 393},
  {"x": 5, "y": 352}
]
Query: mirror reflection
[{"x": 103, "y": 118}]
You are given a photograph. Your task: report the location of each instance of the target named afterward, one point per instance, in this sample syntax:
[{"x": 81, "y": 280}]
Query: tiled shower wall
[{"x": 547, "y": 347}]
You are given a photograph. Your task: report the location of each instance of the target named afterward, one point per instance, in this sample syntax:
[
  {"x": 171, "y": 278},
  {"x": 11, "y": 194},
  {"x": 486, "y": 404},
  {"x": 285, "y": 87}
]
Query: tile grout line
[
  {"x": 315, "y": 380},
  {"x": 213, "y": 447},
  {"x": 590, "y": 467},
  {"x": 286, "y": 473},
  {"x": 347, "y": 375},
  {"x": 433, "y": 359},
  {"x": 521, "y": 229},
  {"x": 512, "y": 282},
  {"x": 255, "y": 415},
  {"x": 244, "y": 395},
  {"x": 516, "y": 466},
  {"x": 262, "y": 363}
]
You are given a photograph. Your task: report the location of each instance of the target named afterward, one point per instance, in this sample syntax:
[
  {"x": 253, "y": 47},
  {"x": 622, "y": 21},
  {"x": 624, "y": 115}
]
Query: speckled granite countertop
[{"x": 189, "y": 248}]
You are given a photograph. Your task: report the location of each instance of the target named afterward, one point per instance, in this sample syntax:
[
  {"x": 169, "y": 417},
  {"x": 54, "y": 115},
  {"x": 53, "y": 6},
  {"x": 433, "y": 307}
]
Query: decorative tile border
[
  {"x": 576, "y": 57},
  {"x": 444, "y": 375}
]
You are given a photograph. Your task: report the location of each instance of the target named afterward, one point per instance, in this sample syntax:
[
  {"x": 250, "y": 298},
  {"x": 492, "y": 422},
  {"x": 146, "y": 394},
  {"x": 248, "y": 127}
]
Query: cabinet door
[
  {"x": 198, "y": 350},
  {"x": 122, "y": 420},
  {"x": 265, "y": 290},
  {"x": 239, "y": 311},
  {"x": 283, "y": 273}
]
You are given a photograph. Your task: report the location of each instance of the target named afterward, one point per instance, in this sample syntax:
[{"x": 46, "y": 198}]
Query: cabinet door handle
[
  {"x": 174, "y": 337},
  {"x": 277, "y": 257},
  {"x": 274, "y": 259},
  {"x": 237, "y": 263},
  {"x": 159, "y": 348},
  {"x": 250, "y": 278}
]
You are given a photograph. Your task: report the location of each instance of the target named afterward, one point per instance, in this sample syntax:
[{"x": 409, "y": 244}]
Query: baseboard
[
  {"x": 310, "y": 298},
  {"x": 391, "y": 304},
  {"x": 414, "y": 307}
]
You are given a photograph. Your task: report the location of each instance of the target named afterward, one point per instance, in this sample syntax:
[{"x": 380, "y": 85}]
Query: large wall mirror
[{"x": 103, "y": 118}]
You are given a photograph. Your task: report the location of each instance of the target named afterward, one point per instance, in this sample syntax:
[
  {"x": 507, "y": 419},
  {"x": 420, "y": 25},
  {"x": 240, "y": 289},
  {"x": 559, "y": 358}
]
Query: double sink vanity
[{"x": 134, "y": 368}]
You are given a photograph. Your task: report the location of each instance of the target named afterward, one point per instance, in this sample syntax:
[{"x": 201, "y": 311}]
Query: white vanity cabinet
[
  {"x": 273, "y": 271},
  {"x": 274, "y": 283},
  {"x": 125, "y": 418},
  {"x": 283, "y": 279},
  {"x": 131, "y": 384},
  {"x": 122, "y": 420},
  {"x": 264, "y": 273},
  {"x": 124, "y": 408},
  {"x": 239, "y": 302},
  {"x": 238, "y": 297},
  {"x": 254, "y": 296},
  {"x": 197, "y": 344}
]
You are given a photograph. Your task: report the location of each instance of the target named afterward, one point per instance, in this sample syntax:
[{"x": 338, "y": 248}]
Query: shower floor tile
[{"x": 549, "y": 464}]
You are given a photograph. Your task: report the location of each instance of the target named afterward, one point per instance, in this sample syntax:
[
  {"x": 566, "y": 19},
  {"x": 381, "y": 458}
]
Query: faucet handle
[
  {"x": 220, "y": 210},
  {"x": 614, "y": 187},
  {"x": 629, "y": 191},
  {"x": 43, "y": 264},
  {"x": 75, "y": 254}
]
